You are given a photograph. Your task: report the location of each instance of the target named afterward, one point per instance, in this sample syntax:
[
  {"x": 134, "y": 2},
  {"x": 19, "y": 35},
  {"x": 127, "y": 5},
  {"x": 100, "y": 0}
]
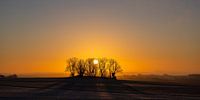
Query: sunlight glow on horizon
[{"x": 143, "y": 36}]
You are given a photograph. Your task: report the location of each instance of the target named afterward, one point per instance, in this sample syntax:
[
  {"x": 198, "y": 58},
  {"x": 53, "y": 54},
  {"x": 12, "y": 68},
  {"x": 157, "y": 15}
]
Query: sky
[{"x": 145, "y": 36}]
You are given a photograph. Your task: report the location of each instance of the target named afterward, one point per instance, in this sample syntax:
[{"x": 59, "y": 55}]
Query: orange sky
[{"x": 144, "y": 36}]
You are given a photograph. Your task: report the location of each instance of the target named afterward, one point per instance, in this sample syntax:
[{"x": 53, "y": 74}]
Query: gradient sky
[{"x": 145, "y": 36}]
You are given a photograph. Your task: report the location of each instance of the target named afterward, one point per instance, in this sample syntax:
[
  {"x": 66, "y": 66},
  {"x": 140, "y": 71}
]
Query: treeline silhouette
[
  {"x": 93, "y": 67},
  {"x": 9, "y": 76}
]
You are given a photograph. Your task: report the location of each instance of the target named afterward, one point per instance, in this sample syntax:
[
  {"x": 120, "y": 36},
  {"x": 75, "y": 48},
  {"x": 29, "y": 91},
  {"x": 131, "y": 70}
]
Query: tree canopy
[{"x": 102, "y": 67}]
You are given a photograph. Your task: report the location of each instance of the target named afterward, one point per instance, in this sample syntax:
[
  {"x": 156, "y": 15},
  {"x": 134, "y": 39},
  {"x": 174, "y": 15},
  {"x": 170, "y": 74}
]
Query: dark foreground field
[{"x": 95, "y": 88}]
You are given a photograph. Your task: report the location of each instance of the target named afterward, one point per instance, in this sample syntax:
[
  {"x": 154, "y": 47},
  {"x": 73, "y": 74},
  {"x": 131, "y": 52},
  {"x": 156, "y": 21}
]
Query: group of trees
[{"x": 102, "y": 67}]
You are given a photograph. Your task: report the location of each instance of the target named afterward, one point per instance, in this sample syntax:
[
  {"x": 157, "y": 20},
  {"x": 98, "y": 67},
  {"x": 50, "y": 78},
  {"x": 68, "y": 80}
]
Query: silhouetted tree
[
  {"x": 91, "y": 68},
  {"x": 71, "y": 65},
  {"x": 81, "y": 67},
  {"x": 114, "y": 67},
  {"x": 102, "y": 66}
]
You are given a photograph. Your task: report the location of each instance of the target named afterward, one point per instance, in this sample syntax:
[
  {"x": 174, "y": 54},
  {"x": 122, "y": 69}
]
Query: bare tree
[
  {"x": 102, "y": 66},
  {"x": 71, "y": 65},
  {"x": 91, "y": 67},
  {"x": 114, "y": 67},
  {"x": 81, "y": 67}
]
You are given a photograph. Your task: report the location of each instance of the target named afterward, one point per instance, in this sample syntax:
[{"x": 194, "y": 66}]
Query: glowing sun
[{"x": 95, "y": 61}]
